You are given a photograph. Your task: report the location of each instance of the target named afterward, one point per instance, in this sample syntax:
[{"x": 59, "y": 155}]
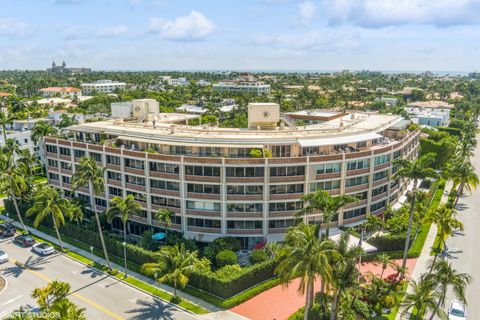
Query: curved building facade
[{"x": 207, "y": 176}]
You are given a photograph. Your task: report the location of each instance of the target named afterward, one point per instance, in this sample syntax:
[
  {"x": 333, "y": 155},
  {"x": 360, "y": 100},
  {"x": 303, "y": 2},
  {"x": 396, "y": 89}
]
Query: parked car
[
  {"x": 7, "y": 229},
  {"x": 25, "y": 240},
  {"x": 3, "y": 256},
  {"x": 43, "y": 249},
  {"x": 457, "y": 311}
]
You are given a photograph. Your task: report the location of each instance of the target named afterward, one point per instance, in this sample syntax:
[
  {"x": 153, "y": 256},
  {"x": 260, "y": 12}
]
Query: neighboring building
[
  {"x": 206, "y": 176},
  {"x": 203, "y": 83},
  {"x": 191, "y": 108},
  {"x": 102, "y": 86},
  {"x": 182, "y": 81},
  {"x": 56, "y": 116},
  {"x": 138, "y": 108},
  {"x": 63, "y": 69},
  {"x": 474, "y": 75},
  {"x": 23, "y": 138},
  {"x": 62, "y": 92},
  {"x": 28, "y": 124},
  {"x": 254, "y": 87},
  {"x": 430, "y": 113},
  {"x": 389, "y": 101}
]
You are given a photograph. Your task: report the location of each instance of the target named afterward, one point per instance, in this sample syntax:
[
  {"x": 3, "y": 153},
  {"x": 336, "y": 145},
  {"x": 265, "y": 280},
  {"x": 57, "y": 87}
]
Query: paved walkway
[
  {"x": 217, "y": 313},
  {"x": 281, "y": 302}
]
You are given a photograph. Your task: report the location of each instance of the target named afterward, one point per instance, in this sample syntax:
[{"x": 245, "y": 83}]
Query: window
[
  {"x": 244, "y": 224},
  {"x": 275, "y": 224},
  {"x": 378, "y": 205},
  {"x": 114, "y": 175},
  {"x": 325, "y": 185},
  {"x": 288, "y": 188},
  {"x": 166, "y": 185},
  {"x": 164, "y": 167},
  {"x": 328, "y": 168},
  {"x": 135, "y": 164},
  {"x": 244, "y": 189},
  {"x": 382, "y": 159},
  {"x": 354, "y": 213},
  {"x": 203, "y": 188},
  {"x": 287, "y": 171},
  {"x": 202, "y": 171},
  {"x": 66, "y": 165},
  {"x": 52, "y": 163},
  {"x": 65, "y": 151},
  {"x": 101, "y": 202},
  {"x": 285, "y": 206},
  {"x": 137, "y": 196},
  {"x": 239, "y": 152},
  {"x": 204, "y": 223},
  {"x": 180, "y": 150},
  {"x": 356, "y": 181},
  {"x": 50, "y": 148},
  {"x": 53, "y": 176},
  {"x": 361, "y": 195},
  {"x": 359, "y": 164},
  {"x": 244, "y": 207},
  {"x": 167, "y": 202},
  {"x": 377, "y": 191},
  {"x": 115, "y": 191},
  {"x": 210, "y": 151},
  {"x": 135, "y": 180},
  {"x": 113, "y": 160},
  {"x": 281, "y": 151},
  {"x": 203, "y": 205},
  {"x": 96, "y": 156},
  {"x": 65, "y": 179},
  {"x": 397, "y": 154},
  {"x": 245, "y": 172},
  {"x": 78, "y": 153},
  {"x": 380, "y": 175}
]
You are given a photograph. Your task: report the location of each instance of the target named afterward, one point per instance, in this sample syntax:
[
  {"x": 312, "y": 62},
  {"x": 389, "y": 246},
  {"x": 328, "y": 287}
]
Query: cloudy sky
[{"x": 241, "y": 34}]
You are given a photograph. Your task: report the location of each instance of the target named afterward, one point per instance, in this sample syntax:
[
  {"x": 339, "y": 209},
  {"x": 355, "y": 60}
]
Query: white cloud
[
  {"x": 13, "y": 28},
  {"x": 189, "y": 28},
  {"x": 307, "y": 11},
  {"x": 112, "y": 32},
  {"x": 374, "y": 13}
]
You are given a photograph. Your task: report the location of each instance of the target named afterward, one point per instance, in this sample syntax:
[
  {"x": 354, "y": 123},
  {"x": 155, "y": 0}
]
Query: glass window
[
  {"x": 358, "y": 164},
  {"x": 325, "y": 185},
  {"x": 328, "y": 168},
  {"x": 135, "y": 180},
  {"x": 203, "y": 205},
  {"x": 287, "y": 171},
  {"x": 78, "y": 153},
  {"x": 52, "y": 163},
  {"x": 114, "y": 175},
  {"x": 354, "y": 213},
  {"x": 113, "y": 159},
  {"x": 356, "y": 181},
  {"x": 384, "y": 158},
  {"x": 133, "y": 163},
  {"x": 380, "y": 175}
]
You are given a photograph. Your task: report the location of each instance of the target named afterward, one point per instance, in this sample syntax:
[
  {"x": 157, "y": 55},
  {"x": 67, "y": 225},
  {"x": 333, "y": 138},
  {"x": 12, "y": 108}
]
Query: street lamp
[
  {"x": 124, "y": 244},
  {"x": 155, "y": 276},
  {"x": 91, "y": 254}
]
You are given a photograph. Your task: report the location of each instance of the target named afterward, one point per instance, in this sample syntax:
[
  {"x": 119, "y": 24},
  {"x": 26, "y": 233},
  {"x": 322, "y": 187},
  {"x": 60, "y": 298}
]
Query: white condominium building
[
  {"x": 254, "y": 87},
  {"x": 102, "y": 86},
  {"x": 214, "y": 183}
]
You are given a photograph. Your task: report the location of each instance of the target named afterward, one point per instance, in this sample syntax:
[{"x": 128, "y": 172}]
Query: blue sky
[{"x": 248, "y": 34}]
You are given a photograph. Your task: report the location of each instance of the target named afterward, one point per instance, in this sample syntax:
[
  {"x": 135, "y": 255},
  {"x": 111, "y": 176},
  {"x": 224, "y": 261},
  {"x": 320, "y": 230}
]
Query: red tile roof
[
  {"x": 4, "y": 94},
  {"x": 60, "y": 89}
]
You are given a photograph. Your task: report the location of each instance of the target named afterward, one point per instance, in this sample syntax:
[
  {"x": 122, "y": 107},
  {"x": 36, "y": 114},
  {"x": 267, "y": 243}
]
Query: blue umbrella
[{"x": 158, "y": 236}]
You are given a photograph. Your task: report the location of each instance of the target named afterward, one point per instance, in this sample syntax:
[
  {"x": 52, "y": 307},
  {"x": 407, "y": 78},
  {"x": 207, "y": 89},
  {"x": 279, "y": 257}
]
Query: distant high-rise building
[
  {"x": 474, "y": 75},
  {"x": 63, "y": 69}
]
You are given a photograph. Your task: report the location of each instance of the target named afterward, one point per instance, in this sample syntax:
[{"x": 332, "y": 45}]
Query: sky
[{"x": 408, "y": 35}]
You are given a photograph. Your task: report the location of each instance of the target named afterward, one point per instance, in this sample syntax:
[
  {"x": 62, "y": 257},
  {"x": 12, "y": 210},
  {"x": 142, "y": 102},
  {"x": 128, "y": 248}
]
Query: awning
[
  {"x": 328, "y": 141},
  {"x": 153, "y": 140},
  {"x": 354, "y": 242}
]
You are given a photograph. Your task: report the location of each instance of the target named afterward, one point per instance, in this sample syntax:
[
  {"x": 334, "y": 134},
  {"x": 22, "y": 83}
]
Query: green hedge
[
  {"x": 236, "y": 283},
  {"x": 225, "y": 258}
]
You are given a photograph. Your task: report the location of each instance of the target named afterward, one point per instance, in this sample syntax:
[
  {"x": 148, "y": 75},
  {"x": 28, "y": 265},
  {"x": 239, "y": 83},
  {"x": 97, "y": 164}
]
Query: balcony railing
[
  {"x": 208, "y": 196},
  {"x": 358, "y": 171},
  {"x": 245, "y": 197},
  {"x": 202, "y": 178},
  {"x": 114, "y": 182},
  {"x": 135, "y": 187},
  {"x": 164, "y": 192},
  {"x": 277, "y": 230},
  {"x": 380, "y": 182},
  {"x": 245, "y": 179},
  {"x": 52, "y": 169},
  {"x": 204, "y": 213},
  {"x": 287, "y": 179},
  {"x": 204, "y": 229},
  {"x": 244, "y": 231},
  {"x": 286, "y": 196},
  {"x": 357, "y": 188},
  {"x": 135, "y": 171},
  {"x": 244, "y": 214},
  {"x": 164, "y": 175},
  {"x": 157, "y": 207}
]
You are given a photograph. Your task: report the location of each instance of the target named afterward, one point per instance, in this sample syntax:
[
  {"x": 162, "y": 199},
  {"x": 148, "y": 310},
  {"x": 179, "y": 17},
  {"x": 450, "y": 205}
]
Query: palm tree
[
  {"x": 421, "y": 300},
  {"x": 305, "y": 256},
  {"x": 414, "y": 170},
  {"x": 465, "y": 177},
  {"x": 42, "y": 129},
  {"x": 29, "y": 160},
  {"x": 49, "y": 202},
  {"x": 89, "y": 174},
  {"x": 67, "y": 310},
  {"x": 12, "y": 180},
  {"x": 51, "y": 293},
  {"x": 446, "y": 221},
  {"x": 344, "y": 272},
  {"x": 322, "y": 201},
  {"x": 165, "y": 216},
  {"x": 175, "y": 264},
  {"x": 446, "y": 277},
  {"x": 386, "y": 261},
  {"x": 5, "y": 119}
]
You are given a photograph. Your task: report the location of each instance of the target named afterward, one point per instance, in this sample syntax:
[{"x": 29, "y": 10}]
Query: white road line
[
  {"x": 8, "y": 311},
  {"x": 12, "y": 300}
]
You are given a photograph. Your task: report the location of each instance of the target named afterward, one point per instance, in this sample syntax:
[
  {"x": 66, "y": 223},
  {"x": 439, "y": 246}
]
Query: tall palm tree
[
  {"x": 12, "y": 180},
  {"x": 305, "y": 256},
  {"x": 322, "y": 201},
  {"x": 174, "y": 265},
  {"x": 89, "y": 174},
  {"x": 165, "y": 216},
  {"x": 414, "y": 170},
  {"x": 421, "y": 300},
  {"x": 29, "y": 160},
  {"x": 385, "y": 261},
  {"x": 446, "y": 277},
  {"x": 465, "y": 177},
  {"x": 51, "y": 293},
  {"x": 49, "y": 202},
  {"x": 446, "y": 221},
  {"x": 5, "y": 119},
  {"x": 42, "y": 129}
]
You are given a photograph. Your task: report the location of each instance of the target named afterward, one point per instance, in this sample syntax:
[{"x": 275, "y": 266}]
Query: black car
[
  {"x": 25, "y": 240},
  {"x": 7, "y": 230}
]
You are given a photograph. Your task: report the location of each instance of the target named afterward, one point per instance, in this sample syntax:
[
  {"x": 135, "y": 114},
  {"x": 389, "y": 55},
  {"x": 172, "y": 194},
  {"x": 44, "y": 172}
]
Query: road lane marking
[
  {"x": 12, "y": 300},
  {"x": 80, "y": 297}
]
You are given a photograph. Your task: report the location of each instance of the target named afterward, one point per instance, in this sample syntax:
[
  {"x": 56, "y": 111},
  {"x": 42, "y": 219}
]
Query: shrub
[
  {"x": 224, "y": 272},
  {"x": 221, "y": 244},
  {"x": 258, "y": 256},
  {"x": 389, "y": 302},
  {"x": 226, "y": 257}
]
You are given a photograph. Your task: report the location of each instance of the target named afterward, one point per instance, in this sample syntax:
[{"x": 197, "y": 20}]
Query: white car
[
  {"x": 457, "y": 311},
  {"x": 3, "y": 256},
  {"x": 43, "y": 249}
]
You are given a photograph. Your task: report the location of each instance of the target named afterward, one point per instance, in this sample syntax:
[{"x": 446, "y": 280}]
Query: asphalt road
[
  {"x": 464, "y": 247},
  {"x": 102, "y": 296}
]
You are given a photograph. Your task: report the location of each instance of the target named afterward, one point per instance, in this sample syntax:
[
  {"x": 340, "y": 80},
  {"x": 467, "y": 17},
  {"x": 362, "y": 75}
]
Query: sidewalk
[
  {"x": 216, "y": 312},
  {"x": 425, "y": 259}
]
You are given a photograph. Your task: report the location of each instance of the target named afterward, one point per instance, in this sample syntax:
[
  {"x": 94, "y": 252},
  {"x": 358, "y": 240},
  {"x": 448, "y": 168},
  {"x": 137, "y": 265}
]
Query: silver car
[{"x": 43, "y": 249}]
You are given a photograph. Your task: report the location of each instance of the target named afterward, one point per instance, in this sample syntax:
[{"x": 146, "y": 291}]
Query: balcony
[
  {"x": 203, "y": 213},
  {"x": 287, "y": 179},
  {"x": 157, "y": 207},
  {"x": 378, "y": 211},
  {"x": 112, "y": 166},
  {"x": 244, "y": 214},
  {"x": 66, "y": 157},
  {"x": 277, "y": 230},
  {"x": 380, "y": 182},
  {"x": 173, "y": 226},
  {"x": 379, "y": 196},
  {"x": 245, "y": 197},
  {"x": 54, "y": 182},
  {"x": 52, "y": 169},
  {"x": 202, "y": 178},
  {"x": 66, "y": 186},
  {"x": 289, "y": 213},
  {"x": 357, "y": 188},
  {"x": 355, "y": 204},
  {"x": 207, "y": 196},
  {"x": 164, "y": 175},
  {"x": 66, "y": 171},
  {"x": 331, "y": 175},
  {"x": 382, "y": 166},
  {"x": 164, "y": 192},
  {"x": 137, "y": 171},
  {"x": 204, "y": 229},
  {"x": 114, "y": 182},
  {"x": 358, "y": 172},
  {"x": 83, "y": 190},
  {"x": 354, "y": 219},
  {"x": 246, "y": 179},
  {"x": 286, "y": 196},
  {"x": 52, "y": 155},
  {"x": 333, "y": 192},
  {"x": 135, "y": 187},
  {"x": 244, "y": 231}
]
